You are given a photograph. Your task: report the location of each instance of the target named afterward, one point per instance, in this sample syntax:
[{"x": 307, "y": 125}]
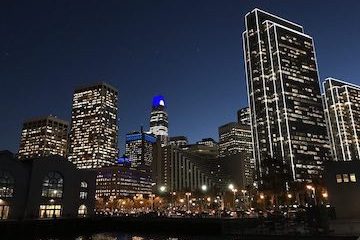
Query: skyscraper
[
  {"x": 244, "y": 116},
  {"x": 159, "y": 120},
  {"x": 235, "y": 142},
  {"x": 139, "y": 149},
  {"x": 94, "y": 130},
  {"x": 41, "y": 137},
  {"x": 287, "y": 116},
  {"x": 342, "y": 111}
]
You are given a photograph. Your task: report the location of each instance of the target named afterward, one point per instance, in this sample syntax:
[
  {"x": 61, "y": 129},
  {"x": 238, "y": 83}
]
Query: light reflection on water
[{"x": 126, "y": 236}]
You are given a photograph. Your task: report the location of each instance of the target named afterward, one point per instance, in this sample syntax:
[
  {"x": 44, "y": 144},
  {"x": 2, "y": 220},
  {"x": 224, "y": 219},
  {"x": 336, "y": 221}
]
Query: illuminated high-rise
[
  {"x": 159, "y": 120},
  {"x": 94, "y": 130},
  {"x": 42, "y": 137},
  {"x": 244, "y": 116},
  {"x": 287, "y": 116},
  {"x": 235, "y": 139},
  {"x": 342, "y": 111},
  {"x": 139, "y": 149}
]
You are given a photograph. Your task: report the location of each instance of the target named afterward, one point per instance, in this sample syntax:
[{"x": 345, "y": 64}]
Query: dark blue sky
[{"x": 188, "y": 51}]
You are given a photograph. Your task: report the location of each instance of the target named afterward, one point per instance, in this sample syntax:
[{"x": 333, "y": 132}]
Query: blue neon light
[{"x": 158, "y": 101}]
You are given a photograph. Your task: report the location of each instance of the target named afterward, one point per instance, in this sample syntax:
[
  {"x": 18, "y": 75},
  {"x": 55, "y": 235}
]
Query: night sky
[{"x": 188, "y": 51}]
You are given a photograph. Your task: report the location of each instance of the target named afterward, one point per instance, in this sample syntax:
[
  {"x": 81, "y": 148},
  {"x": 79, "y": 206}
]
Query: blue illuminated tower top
[{"x": 158, "y": 101}]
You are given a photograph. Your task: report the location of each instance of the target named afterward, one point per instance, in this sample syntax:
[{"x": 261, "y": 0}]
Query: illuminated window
[
  {"x": 346, "y": 177},
  {"x": 82, "y": 211},
  {"x": 4, "y": 211},
  {"x": 338, "y": 178},
  {"x": 52, "y": 185},
  {"x": 50, "y": 211},
  {"x": 84, "y": 184},
  {"x": 83, "y": 190},
  {"x": 6, "y": 184},
  {"x": 352, "y": 177}
]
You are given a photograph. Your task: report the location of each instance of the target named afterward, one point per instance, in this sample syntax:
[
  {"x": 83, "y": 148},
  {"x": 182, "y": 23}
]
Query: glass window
[
  {"x": 82, "y": 211},
  {"x": 346, "y": 177},
  {"x": 7, "y": 184},
  {"x": 50, "y": 211},
  {"x": 4, "y": 211},
  {"x": 83, "y": 195},
  {"x": 83, "y": 184},
  {"x": 53, "y": 185},
  {"x": 352, "y": 177},
  {"x": 338, "y": 178}
]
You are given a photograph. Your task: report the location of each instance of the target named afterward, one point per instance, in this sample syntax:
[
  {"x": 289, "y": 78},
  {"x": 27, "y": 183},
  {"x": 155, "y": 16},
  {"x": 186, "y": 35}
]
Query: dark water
[{"x": 132, "y": 236}]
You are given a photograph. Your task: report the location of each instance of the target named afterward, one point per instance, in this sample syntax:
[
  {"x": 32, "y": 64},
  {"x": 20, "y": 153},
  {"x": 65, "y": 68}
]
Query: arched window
[
  {"x": 52, "y": 185},
  {"x": 82, "y": 211},
  {"x": 83, "y": 190},
  {"x": 84, "y": 184},
  {"x": 7, "y": 184}
]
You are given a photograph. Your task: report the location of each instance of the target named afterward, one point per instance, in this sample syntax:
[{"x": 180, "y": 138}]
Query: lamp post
[
  {"x": 313, "y": 192},
  {"x": 188, "y": 194},
  {"x": 244, "y": 198},
  {"x": 204, "y": 189},
  {"x": 234, "y": 190}
]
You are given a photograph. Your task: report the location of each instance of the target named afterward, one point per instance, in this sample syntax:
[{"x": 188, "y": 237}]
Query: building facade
[
  {"x": 139, "y": 149},
  {"x": 122, "y": 182},
  {"x": 343, "y": 187},
  {"x": 236, "y": 139},
  {"x": 287, "y": 117},
  {"x": 342, "y": 111},
  {"x": 159, "y": 124},
  {"x": 243, "y": 116},
  {"x": 43, "y": 137},
  {"x": 207, "y": 142},
  {"x": 178, "y": 141},
  {"x": 45, "y": 187},
  {"x": 181, "y": 173},
  {"x": 94, "y": 129}
]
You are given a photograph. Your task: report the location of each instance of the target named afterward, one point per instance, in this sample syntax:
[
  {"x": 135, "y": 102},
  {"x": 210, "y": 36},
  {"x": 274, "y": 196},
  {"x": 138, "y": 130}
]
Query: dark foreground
[{"x": 182, "y": 228}]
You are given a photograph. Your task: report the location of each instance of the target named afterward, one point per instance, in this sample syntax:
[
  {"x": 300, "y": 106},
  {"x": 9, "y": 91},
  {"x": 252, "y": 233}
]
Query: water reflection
[{"x": 126, "y": 236}]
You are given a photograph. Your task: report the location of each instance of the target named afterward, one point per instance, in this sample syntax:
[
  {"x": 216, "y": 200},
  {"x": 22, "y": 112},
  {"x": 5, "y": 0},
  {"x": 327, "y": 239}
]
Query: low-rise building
[
  {"x": 122, "y": 182},
  {"x": 45, "y": 187},
  {"x": 343, "y": 186}
]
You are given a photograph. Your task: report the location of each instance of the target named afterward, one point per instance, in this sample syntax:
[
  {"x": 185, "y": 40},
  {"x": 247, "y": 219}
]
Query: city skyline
[{"x": 134, "y": 111}]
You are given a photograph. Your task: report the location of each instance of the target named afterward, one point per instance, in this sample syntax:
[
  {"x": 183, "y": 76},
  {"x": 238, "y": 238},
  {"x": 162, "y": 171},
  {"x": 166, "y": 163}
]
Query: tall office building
[
  {"x": 235, "y": 141},
  {"x": 159, "y": 120},
  {"x": 287, "y": 116},
  {"x": 43, "y": 137},
  {"x": 94, "y": 130},
  {"x": 139, "y": 149},
  {"x": 342, "y": 111},
  {"x": 244, "y": 116}
]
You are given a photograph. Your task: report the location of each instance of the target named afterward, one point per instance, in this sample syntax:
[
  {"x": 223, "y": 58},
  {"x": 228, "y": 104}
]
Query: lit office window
[
  {"x": 6, "y": 184},
  {"x": 352, "y": 177},
  {"x": 346, "y": 177},
  {"x": 53, "y": 185},
  {"x": 338, "y": 178}
]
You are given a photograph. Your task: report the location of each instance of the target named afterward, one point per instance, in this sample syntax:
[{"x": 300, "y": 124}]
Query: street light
[
  {"x": 188, "y": 194},
  {"x": 289, "y": 195},
  {"x": 231, "y": 186},
  {"x": 204, "y": 188},
  {"x": 313, "y": 192},
  {"x": 325, "y": 195},
  {"x": 162, "y": 188}
]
